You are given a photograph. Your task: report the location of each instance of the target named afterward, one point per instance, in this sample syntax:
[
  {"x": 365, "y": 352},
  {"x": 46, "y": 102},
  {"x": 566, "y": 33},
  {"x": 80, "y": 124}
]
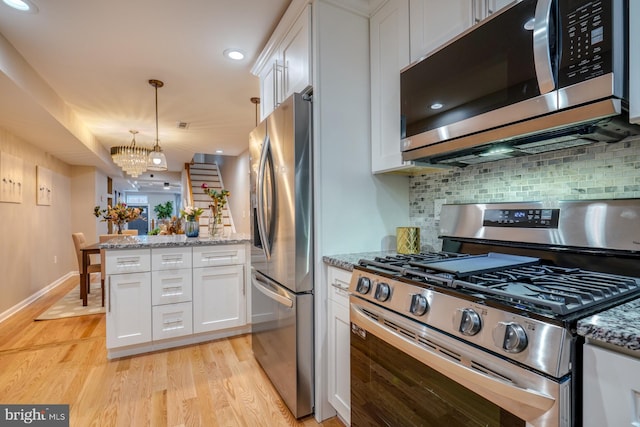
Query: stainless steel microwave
[{"x": 540, "y": 75}]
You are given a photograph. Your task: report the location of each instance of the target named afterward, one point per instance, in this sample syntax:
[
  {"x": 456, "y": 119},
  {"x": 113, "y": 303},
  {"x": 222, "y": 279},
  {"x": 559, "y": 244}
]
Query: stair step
[{"x": 203, "y": 166}]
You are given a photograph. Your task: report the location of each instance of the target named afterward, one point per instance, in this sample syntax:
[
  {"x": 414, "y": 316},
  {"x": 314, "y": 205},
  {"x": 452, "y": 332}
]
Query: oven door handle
[{"x": 527, "y": 404}]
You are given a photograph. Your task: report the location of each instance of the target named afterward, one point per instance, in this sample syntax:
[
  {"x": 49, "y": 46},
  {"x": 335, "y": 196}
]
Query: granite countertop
[
  {"x": 141, "y": 242},
  {"x": 347, "y": 261},
  {"x": 618, "y": 326}
]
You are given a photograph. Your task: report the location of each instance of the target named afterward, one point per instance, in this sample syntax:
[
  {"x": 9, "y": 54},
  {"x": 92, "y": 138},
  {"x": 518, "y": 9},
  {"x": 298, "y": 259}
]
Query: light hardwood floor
[{"x": 64, "y": 361}]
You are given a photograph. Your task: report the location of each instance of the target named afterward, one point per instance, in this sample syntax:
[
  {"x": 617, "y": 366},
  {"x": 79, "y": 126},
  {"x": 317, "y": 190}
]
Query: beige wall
[
  {"x": 235, "y": 175},
  {"x": 88, "y": 189},
  {"x": 31, "y": 235}
]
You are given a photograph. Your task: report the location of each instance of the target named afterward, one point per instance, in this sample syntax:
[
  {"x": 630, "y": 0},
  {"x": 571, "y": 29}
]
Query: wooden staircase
[{"x": 208, "y": 173}]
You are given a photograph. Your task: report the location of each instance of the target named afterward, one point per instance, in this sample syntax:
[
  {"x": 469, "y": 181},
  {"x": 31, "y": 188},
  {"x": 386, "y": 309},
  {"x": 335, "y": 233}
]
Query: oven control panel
[
  {"x": 534, "y": 343},
  {"x": 521, "y": 218}
]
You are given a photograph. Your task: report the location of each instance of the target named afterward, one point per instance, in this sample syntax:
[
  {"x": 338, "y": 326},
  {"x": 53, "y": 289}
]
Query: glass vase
[
  {"x": 191, "y": 228},
  {"x": 215, "y": 225}
]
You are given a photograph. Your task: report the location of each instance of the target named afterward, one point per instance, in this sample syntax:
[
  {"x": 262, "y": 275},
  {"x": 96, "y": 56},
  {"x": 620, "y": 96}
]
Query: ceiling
[{"x": 96, "y": 58}]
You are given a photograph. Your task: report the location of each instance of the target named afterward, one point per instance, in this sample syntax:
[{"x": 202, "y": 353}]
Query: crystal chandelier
[
  {"x": 157, "y": 160},
  {"x": 131, "y": 158}
]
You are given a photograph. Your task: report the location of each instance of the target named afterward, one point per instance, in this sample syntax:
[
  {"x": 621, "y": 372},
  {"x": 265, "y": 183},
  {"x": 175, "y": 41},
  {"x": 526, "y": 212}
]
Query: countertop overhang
[{"x": 160, "y": 241}]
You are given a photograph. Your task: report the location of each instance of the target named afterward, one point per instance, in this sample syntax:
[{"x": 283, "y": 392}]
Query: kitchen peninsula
[{"x": 168, "y": 291}]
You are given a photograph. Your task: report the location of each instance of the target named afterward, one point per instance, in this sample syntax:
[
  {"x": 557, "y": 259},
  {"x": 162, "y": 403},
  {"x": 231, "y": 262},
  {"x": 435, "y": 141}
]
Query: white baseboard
[{"x": 13, "y": 310}]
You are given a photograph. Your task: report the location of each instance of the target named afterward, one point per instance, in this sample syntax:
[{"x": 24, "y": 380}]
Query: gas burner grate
[{"x": 551, "y": 289}]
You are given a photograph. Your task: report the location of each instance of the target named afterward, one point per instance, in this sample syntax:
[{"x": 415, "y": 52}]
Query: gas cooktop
[{"x": 523, "y": 283}]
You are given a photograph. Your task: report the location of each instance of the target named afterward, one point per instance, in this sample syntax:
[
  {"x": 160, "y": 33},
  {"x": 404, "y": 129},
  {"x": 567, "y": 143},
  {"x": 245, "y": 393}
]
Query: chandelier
[
  {"x": 131, "y": 158},
  {"x": 157, "y": 159}
]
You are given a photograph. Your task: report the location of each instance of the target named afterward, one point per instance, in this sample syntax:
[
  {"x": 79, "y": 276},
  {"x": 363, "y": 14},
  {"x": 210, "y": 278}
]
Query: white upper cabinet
[
  {"x": 434, "y": 22},
  {"x": 296, "y": 56},
  {"x": 285, "y": 64},
  {"x": 389, "y": 41}
]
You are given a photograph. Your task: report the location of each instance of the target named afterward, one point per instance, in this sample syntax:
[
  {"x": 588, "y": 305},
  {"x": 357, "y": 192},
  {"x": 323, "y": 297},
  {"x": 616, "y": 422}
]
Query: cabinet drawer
[
  {"x": 128, "y": 261},
  {"x": 171, "y": 286},
  {"x": 339, "y": 285},
  {"x": 170, "y": 258},
  {"x": 172, "y": 320},
  {"x": 211, "y": 256}
]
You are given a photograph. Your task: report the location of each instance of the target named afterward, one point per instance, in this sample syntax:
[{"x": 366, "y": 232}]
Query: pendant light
[
  {"x": 157, "y": 160},
  {"x": 131, "y": 158}
]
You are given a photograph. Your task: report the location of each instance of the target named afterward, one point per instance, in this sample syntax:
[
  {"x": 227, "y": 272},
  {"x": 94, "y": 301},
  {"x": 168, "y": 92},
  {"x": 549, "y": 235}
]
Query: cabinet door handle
[
  {"x": 275, "y": 84},
  {"x": 109, "y": 294}
]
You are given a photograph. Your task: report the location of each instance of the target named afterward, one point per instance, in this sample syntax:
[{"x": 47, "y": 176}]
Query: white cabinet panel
[
  {"x": 170, "y": 258},
  {"x": 389, "y": 41},
  {"x": 611, "y": 388},
  {"x": 128, "y": 309},
  {"x": 270, "y": 77},
  {"x": 209, "y": 256},
  {"x": 434, "y": 22},
  {"x": 172, "y": 320},
  {"x": 218, "y": 298},
  {"x": 171, "y": 286},
  {"x": 296, "y": 56},
  {"x": 338, "y": 348}
]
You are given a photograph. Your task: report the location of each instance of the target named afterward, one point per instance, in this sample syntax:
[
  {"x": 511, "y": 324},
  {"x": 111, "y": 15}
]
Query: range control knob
[
  {"x": 419, "y": 305},
  {"x": 363, "y": 286},
  {"x": 510, "y": 336},
  {"x": 468, "y": 321},
  {"x": 383, "y": 292}
]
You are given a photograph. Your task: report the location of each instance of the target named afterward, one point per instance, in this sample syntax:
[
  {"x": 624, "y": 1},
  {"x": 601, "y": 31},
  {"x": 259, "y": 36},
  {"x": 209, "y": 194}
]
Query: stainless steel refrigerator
[{"x": 282, "y": 251}]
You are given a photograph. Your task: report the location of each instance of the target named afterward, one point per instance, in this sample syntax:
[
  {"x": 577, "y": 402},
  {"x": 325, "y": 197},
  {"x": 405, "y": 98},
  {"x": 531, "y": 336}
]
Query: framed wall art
[
  {"x": 44, "y": 183},
  {"x": 11, "y": 178}
]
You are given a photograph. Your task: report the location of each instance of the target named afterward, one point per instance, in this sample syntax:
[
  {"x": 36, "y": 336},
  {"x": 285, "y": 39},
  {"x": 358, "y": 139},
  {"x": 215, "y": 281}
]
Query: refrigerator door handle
[
  {"x": 261, "y": 220},
  {"x": 265, "y": 289}
]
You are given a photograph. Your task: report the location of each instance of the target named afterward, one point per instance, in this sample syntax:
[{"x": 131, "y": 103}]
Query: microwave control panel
[{"x": 586, "y": 40}]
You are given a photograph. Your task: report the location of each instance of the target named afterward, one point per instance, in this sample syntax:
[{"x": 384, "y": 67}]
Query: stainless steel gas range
[{"x": 483, "y": 333}]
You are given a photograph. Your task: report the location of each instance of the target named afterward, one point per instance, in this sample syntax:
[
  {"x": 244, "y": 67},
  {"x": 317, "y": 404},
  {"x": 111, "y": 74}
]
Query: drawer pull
[
  {"x": 173, "y": 321},
  {"x": 340, "y": 287},
  {"x": 172, "y": 259},
  {"x": 219, "y": 256},
  {"x": 128, "y": 262}
]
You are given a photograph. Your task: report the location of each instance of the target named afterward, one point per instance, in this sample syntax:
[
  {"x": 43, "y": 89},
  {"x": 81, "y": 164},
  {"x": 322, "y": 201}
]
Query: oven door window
[
  {"x": 390, "y": 388},
  {"x": 488, "y": 68}
]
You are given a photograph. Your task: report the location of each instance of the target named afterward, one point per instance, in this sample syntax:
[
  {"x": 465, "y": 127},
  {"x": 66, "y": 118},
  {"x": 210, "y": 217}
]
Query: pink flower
[{"x": 204, "y": 185}]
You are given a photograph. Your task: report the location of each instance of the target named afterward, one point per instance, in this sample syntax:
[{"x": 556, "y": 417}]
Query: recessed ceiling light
[
  {"x": 436, "y": 106},
  {"x": 219, "y": 151},
  {"x": 235, "y": 54},
  {"x": 22, "y": 5}
]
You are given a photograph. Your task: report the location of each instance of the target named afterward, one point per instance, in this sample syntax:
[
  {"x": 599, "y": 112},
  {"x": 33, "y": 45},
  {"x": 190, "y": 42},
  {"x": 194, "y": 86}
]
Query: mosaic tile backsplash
[{"x": 599, "y": 171}]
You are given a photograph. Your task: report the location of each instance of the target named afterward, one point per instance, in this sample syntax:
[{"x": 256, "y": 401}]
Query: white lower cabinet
[
  {"x": 164, "y": 297},
  {"x": 218, "y": 298},
  {"x": 128, "y": 306},
  {"x": 611, "y": 388},
  {"x": 338, "y": 333}
]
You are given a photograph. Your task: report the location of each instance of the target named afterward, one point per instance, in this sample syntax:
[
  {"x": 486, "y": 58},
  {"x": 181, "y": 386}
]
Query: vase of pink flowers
[{"x": 191, "y": 216}]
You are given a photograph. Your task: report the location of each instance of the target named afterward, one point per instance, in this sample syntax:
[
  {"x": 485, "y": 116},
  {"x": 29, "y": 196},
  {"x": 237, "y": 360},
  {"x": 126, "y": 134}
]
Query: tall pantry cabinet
[{"x": 345, "y": 190}]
